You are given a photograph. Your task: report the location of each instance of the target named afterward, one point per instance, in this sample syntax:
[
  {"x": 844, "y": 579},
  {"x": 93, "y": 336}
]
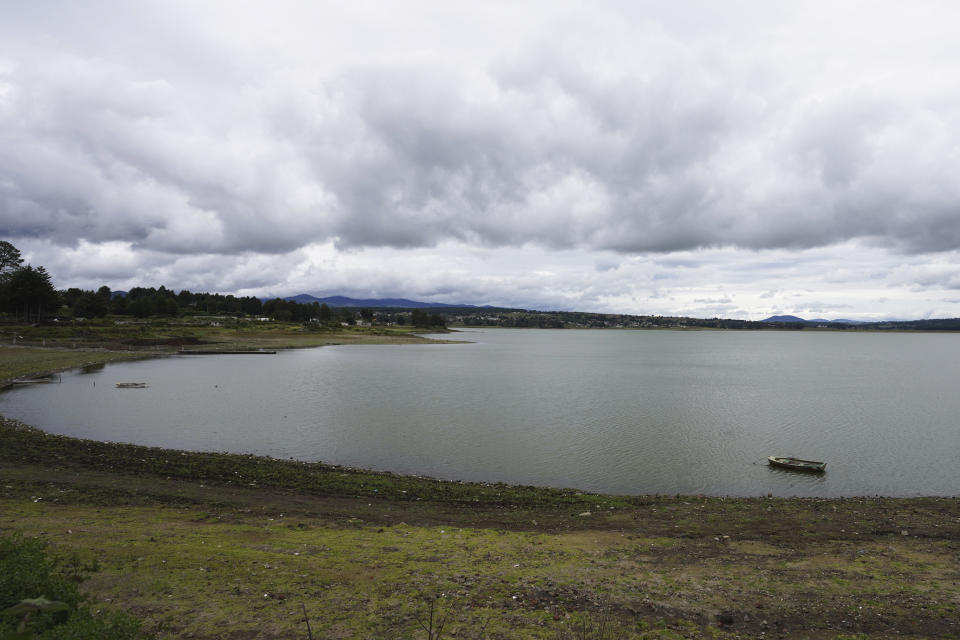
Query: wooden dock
[{"x": 198, "y": 352}]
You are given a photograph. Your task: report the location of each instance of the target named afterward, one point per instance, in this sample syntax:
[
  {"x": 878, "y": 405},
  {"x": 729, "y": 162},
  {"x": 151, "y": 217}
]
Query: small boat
[
  {"x": 131, "y": 385},
  {"x": 797, "y": 464}
]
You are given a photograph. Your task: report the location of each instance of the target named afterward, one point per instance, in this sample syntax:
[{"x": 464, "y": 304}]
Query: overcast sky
[{"x": 703, "y": 158}]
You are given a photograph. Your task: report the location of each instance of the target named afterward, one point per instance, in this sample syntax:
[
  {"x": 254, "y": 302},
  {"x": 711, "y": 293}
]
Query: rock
[{"x": 725, "y": 618}]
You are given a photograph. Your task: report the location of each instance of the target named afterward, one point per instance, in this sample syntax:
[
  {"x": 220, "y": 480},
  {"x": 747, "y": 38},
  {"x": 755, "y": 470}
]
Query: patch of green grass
[
  {"x": 214, "y": 569},
  {"x": 40, "y": 597},
  {"x": 169, "y": 335},
  {"x": 213, "y": 576},
  {"x": 17, "y": 362},
  {"x": 208, "y": 577}
]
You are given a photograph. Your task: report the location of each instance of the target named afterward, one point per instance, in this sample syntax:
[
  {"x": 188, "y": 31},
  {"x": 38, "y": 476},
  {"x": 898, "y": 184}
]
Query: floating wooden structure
[{"x": 197, "y": 352}]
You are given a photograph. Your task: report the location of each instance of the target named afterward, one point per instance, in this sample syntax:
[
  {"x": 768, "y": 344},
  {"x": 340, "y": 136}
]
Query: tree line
[
  {"x": 27, "y": 294},
  {"x": 25, "y": 291}
]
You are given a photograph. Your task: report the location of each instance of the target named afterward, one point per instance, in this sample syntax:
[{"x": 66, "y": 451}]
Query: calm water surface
[{"x": 615, "y": 411}]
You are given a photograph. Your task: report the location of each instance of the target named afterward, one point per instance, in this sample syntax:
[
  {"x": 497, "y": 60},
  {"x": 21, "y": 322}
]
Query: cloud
[
  {"x": 937, "y": 275},
  {"x": 723, "y": 151},
  {"x": 607, "y": 136}
]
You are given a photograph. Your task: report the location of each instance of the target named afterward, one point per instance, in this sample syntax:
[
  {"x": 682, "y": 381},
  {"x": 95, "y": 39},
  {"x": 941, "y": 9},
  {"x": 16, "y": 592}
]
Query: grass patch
[
  {"x": 165, "y": 336},
  {"x": 18, "y": 362},
  {"x": 40, "y": 597}
]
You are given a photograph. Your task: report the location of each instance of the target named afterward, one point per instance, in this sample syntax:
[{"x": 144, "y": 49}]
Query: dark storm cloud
[
  {"x": 551, "y": 157},
  {"x": 88, "y": 153},
  {"x": 662, "y": 144}
]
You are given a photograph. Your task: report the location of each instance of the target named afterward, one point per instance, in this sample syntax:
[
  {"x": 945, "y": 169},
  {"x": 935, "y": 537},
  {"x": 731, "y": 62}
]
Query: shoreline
[
  {"x": 29, "y": 361},
  {"x": 78, "y": 359},
  {"x": 171, "y": 527},
  {"x": 26, "y": 444},
  {"x": 224, "y": 546}
]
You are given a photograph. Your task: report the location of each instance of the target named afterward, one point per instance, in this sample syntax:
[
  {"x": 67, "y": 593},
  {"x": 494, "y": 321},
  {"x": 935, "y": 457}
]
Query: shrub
[{"x": 28, "y": 572}]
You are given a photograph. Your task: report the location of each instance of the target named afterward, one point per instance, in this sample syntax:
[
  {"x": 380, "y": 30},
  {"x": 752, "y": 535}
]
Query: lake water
[{"x": 629, "y": 412}]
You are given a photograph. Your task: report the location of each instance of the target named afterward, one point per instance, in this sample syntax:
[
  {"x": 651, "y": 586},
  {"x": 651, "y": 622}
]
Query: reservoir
[{"x": 616, "y": 411}]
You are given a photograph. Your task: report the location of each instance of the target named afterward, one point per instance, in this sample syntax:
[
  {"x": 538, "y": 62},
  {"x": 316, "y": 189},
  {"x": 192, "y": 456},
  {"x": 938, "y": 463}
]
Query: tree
[
  {"x": 71, "y": 295},
  {"x": 142, "y": 307},
  {"x": 10, "y": 259},
  {"x": 119, "y": 306},
  {"x": 30, "y": 292},
  {"x": 251, "y": 305},
  {"x": 137, "y": 293},
  {"x": 271, "y": 307},
  {"x": 167, "y": 306},
  {"x": 186, "y": 298},
  {"x": 420, "y": 318},
  {"x": 325, "y": 314},
  {"x": 90, "y": 305}
]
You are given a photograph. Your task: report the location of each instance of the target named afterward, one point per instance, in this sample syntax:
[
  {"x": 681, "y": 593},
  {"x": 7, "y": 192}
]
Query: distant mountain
[
  {"x": 401, "y": 303},
  {"x": 784, "y": 319},
  {"x": 814, "y": 321}
]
